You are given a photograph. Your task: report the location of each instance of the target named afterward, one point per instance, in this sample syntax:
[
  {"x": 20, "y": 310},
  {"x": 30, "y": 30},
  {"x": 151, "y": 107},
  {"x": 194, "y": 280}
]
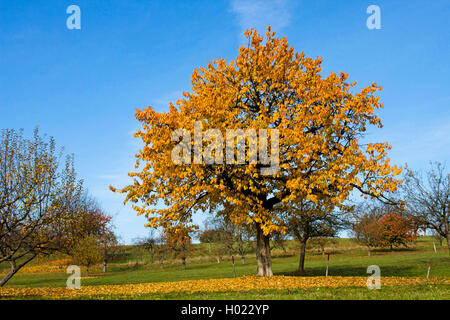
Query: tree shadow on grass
[
  {"x": 349, "y": 271},
  {"x": 324, "y": 254},
  {"x": 284, "y": 255},
  {"x": 394, "y": 250},
  {"x": 42, "y": 282}
]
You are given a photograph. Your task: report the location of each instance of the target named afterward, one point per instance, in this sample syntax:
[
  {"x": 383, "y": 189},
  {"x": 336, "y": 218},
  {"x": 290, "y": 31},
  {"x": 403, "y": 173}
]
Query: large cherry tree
[{"x": 319, "y": 122}]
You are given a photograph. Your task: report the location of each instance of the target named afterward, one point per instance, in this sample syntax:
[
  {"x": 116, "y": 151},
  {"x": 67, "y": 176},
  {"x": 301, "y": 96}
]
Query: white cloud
[{"x": 261, "y": 13}]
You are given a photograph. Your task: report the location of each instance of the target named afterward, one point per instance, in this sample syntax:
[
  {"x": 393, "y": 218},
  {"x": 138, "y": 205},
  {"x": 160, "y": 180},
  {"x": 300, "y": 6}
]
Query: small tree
[
  {"x": 178, "y": 239},
  {"x": 305, "y": 219},
  {"x": 161, "y": 250},
  {"x": 225, "y": 232},
  {"x": 229, "y": 237},
  {"x": 86, "y": 252},
  {"x": 96, "y": 223},
  {"x": 39, "y": 199},
  {"x": 91, "y": 220},
  {"x": 321, "y": 242},
  {"x": 110, "y": 247},
  {"x": 365, "y": 228},
  {"x": 428, "y": 199},
  {"x": 436, "y": 236},
  {"x": 220, "y": 248},
  {"x": 244, "y": 236},
  {"x": 395, "y": 230},
  {"x": 215, "y": 240},
  {"x": 207, "y": 236},
  {"x": 148, "y": 244}
]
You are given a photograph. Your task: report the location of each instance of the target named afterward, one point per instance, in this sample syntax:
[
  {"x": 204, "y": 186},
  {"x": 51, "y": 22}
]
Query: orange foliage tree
[
  {"x": 395, "y": 230},
  {"x": 269, "y": 86}
]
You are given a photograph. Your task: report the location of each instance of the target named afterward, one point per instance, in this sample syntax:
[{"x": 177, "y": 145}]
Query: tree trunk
[
  {"x": 87, "y": 271},
  {"x": 301, "y": 263},
  {"x": 448, "y": 242},
  {"x": 243, "y": 259},
  {"x": 105, "y": 265},
  {"x": 263, "y": 258},
  {"x": 368, "y": 251},
  {"x": 10, "y": 274},
  {"x": 183, "y": 262},
  {"x": 14, "y": 269}
]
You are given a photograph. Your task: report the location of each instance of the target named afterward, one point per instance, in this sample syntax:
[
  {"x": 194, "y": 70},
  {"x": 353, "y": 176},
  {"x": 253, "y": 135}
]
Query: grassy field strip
[{"x": 215, "y": 285}]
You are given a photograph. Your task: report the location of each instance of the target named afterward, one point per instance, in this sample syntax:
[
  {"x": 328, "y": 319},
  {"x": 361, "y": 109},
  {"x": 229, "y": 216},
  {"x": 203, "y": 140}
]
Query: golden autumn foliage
[
  {"x": 38, "y": 199},
  {"x": 320, "y": 122},
  {"x": 87, "y": 252},
  {"x": 214, "y": 285},
  {"x": 51, "y": 266},
  {"x": 43, "y": 205}
]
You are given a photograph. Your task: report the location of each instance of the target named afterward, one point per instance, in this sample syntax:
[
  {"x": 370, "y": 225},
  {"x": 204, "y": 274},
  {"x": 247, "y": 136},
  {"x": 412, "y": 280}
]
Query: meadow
[{"x": 133, "y": 276}]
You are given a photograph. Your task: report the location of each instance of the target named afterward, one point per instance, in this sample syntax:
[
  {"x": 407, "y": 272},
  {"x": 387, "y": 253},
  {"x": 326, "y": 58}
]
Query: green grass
[{"x": 345, "y": 261}]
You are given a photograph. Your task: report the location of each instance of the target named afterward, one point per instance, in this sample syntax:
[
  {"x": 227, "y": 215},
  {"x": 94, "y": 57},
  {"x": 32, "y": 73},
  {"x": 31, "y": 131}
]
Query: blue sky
[{"x": 83, "y": 86}]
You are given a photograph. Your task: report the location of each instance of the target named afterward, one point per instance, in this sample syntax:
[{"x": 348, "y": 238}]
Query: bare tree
[
  {"x": 244, "y": 236},
  {"x": 161, "y": 250},
  {"x": 305, "y": 219},
  {"x": 428, "y": 198},
  {"x": 206, "y": 236},
  {"x": 321, "y": 242},
  {"x": 364, "y": 226},
  {"x": 111, "y": 248},
  {"x": 279, "y": 240},
  {"x": 436, "y": 236},
  {"x": 148, "y": 243},
  {"x": 214, "y": 239},
  {"x": 179, "y": 239},
  {"x": 230, "y": 237}
]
